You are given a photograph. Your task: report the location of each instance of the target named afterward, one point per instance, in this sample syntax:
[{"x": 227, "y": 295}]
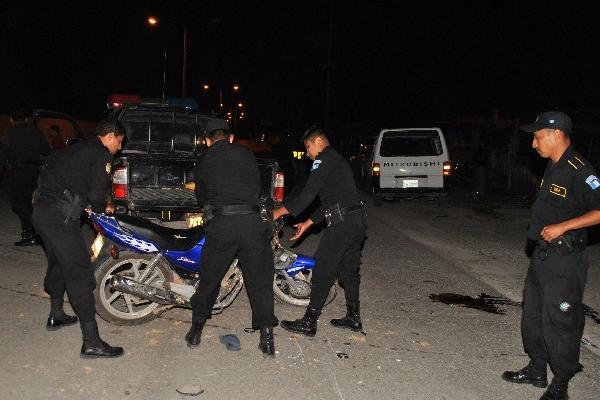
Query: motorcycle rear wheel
[{"x": 122, "y": 308}]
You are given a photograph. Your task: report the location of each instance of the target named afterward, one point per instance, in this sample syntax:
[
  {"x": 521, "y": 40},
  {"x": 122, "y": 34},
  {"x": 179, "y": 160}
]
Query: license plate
[
  {"x": 195, "y": 219},
  {"x": 410, "y": 183}
]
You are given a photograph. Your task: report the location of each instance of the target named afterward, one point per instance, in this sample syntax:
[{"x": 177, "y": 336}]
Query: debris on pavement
[
  {"x": 190, "y": 390},
  {"x": 231, "y": 342}
]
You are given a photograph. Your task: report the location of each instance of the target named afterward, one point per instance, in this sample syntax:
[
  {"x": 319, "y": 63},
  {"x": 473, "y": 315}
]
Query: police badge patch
[
  {"x": 315, "y": 165},
  {"x": 593, "y": 182},
  {"x": 107, "y": 168}
]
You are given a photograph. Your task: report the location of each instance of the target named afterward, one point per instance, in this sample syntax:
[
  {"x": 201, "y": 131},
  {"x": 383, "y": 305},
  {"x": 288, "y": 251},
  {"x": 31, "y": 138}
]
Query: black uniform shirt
[
  {"x": 569, "y": 189},
  {"x": 332, "y": 180},
  {"x": 22, "y": 146},
  {"x": 227, "y": 174},
  {"x": 83, "y": 169}
]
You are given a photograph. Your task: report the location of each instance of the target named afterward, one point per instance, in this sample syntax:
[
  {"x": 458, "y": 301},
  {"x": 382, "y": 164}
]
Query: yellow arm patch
[
  {"x": 558, "y": 190},
  {"x": 107, "y": 168}
]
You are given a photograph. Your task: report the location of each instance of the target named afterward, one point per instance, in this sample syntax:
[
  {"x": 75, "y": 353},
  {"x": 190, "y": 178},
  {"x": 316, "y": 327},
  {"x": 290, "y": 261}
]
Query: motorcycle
[{"x": 143, "y": 269}]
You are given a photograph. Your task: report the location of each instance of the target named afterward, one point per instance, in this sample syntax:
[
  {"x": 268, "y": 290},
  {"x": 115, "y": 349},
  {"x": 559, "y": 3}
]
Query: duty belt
[
  {"x": 234, "y": 209},
  {"x": 567, "y": 243},
  {"x": 334, "y": 214}
]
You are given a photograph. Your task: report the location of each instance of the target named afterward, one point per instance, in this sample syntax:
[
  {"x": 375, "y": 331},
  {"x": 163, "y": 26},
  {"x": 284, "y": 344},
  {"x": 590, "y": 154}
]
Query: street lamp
[{"x": 153, "y": 21}]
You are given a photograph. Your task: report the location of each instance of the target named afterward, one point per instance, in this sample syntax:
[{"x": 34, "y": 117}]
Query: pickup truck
[{"x": 153, "y": 174}]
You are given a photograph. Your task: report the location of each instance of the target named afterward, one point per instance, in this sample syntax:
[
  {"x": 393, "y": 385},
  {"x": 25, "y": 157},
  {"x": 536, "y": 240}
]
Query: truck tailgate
[{"x": 167, "y": 198}]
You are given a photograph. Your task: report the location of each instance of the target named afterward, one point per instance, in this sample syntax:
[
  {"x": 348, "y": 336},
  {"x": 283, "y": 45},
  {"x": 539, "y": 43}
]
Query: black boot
[
  {"x": 93, "y": 346},
  {"x": 528, "y": 374},
  {"x": 558, "y": 389},
  {"x": 267, "y": 342},
  {"x": 192, "y": 338},
  {"x": 307, "y": 325},
  {"x": 57, "y": 317},
  {"x": 351, "y": 320},
  {"x": 27, "y": 238}
]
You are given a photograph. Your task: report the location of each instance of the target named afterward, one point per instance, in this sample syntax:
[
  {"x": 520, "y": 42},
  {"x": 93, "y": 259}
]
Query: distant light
[
  {"x": 152, "y": 20},
  {"x": 205, "y": 87},
  {"x": 221, "y": 105},
  {"x": 236, "y": 87},
  {"x": 240, "y": 105}
]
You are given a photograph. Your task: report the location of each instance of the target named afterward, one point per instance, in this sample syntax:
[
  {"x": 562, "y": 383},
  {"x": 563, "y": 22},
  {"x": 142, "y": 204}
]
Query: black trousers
[
  {"x": 551, "y": 333},
  {"x": 69, "y": 265},
  {"x": 23, "y": 182},
  {"x": 246, "y": 237},
  {"x": 338, "y": 256}
]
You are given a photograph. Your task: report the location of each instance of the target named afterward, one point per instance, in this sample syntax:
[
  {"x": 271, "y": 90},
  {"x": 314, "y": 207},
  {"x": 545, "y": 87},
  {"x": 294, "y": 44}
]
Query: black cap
[
  {"x": 550, "y": 120},
  {"x": 214, "y": 124}
]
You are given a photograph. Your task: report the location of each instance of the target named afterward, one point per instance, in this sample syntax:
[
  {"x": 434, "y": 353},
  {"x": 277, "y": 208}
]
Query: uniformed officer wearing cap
[
  {"x": 567, "y": 202},
  {"x": 340, "y": 246},
  {"x": 74, "y": 179},
  {"x": 228, "y": 189}
]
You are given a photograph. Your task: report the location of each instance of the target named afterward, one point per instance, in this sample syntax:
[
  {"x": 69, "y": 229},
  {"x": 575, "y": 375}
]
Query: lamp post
[{"x": 153, "y": 21}]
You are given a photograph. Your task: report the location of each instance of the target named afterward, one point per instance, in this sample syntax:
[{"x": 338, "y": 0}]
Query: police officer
[
  {"x": 74, "y": 179},
  {"x": 340, "y": 246},
  {"x": 567, "y": 202},
  {"x": 22, "y": 149},
  {"x": 228, "y": 187}
]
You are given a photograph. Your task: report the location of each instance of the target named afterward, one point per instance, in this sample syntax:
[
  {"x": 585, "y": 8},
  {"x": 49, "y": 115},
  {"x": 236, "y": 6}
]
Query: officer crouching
[
  {"x": 568, "y": 201},
  {"x": 74, "y": 179}
]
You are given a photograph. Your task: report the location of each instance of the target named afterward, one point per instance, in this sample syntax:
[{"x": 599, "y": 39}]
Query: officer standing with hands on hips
[
  {"x": 567, "y": 202},
  {"x": 339, "y": 249},
  {"x": 228, "y": 187},
  {"x": 74, "y": 179}
]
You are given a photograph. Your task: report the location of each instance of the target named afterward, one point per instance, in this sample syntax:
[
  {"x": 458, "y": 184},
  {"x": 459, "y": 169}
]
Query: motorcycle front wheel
[
  {"x": 298, "y": 293},
  {"x": 122, "y": 308}
]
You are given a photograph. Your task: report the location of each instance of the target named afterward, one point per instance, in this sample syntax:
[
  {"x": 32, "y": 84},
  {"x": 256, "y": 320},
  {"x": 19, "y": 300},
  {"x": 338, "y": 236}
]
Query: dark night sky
[{"x": 394, "y": 62}]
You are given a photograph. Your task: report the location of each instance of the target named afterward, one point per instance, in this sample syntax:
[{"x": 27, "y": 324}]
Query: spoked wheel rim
[
  {"x": 231, "y": 285},
  {"x": 127, "y": 306}
]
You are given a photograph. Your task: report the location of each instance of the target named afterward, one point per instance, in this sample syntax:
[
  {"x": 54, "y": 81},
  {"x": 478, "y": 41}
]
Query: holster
[
  {"x": 570, "y": 242},
  {"x": 207, "y": 211},
  {"x": 334, "y": 214},
  {"x": 70, "y": 205},
  {"x": 266, "y": 211}
]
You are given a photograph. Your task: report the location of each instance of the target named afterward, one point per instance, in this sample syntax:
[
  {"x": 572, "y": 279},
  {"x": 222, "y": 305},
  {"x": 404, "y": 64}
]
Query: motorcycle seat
[{"x": 163, "y": 237}]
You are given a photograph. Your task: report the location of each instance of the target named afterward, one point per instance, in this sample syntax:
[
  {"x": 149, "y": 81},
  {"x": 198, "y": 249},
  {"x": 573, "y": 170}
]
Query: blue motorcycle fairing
[
  {"x": 113, "y": 232},
  {"x": 302, "y": 262},
  {"x": 188, "y": 260}
]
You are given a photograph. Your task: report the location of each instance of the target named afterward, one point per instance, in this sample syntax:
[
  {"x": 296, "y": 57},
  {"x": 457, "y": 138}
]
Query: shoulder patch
[
  {"x": 107, "y": 168},
  {"x": 316, "y": 164},
  {"x": 593, "y": 182}
]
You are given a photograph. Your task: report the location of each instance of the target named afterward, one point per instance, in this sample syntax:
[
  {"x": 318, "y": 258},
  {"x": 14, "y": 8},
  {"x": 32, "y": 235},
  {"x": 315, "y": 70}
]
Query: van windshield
[{"x": 410, "y": 144}]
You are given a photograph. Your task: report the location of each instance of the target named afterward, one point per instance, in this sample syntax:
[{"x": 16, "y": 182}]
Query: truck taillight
[
  {"x": 278, "y": 190},
  {"x": 447, "y": 168},
  {"x": 119, "y": 183},
  {"x": 375, "y": 168}
]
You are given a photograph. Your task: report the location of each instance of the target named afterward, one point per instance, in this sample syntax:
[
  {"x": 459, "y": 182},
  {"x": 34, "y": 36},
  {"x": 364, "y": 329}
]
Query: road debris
[{"x": 190, "y": 390}]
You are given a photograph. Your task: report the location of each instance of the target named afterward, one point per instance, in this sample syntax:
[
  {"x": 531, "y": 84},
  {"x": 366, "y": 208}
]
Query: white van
[{"x": 409, "y": 160}]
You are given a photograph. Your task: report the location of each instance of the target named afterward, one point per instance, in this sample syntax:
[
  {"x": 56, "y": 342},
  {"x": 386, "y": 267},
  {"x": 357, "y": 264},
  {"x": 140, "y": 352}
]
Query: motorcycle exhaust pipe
[{"x": 135, "y": 288}]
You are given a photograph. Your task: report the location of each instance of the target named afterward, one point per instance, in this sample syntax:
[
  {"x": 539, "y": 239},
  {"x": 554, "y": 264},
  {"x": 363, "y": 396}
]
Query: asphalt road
[{"x": 414, "y": 347}]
